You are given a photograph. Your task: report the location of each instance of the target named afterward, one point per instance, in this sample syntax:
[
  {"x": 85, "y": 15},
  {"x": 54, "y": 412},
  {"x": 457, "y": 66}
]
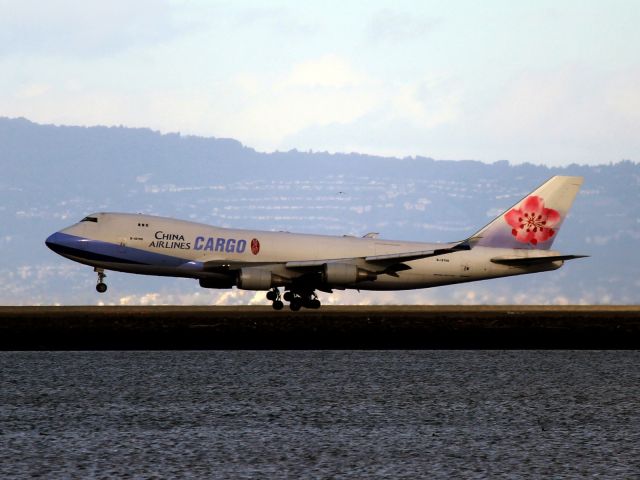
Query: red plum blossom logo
[
  {"x": 255, "y": 246},
  {"x": 532, "y": 222}
]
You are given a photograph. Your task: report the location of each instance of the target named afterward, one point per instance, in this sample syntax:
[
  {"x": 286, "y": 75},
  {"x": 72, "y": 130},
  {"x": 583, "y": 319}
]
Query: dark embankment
[{"x": 413, "y": 327}]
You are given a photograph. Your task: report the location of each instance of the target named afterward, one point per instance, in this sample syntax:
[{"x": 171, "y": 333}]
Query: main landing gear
[
  {"x": 274, "y": 296},
  {"x": 101, "y": 287},
  {"x": 297, "y": 299}
]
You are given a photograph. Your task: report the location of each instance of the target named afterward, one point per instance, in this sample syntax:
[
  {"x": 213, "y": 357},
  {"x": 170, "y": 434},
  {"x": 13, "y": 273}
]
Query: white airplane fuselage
[
  {"x": 302, "y": 263},
  {"x": 177, "y": 248}
]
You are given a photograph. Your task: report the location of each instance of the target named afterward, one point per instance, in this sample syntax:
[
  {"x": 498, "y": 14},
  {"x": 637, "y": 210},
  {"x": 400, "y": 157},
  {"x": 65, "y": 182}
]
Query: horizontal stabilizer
[{"x": 536, "y": 260}]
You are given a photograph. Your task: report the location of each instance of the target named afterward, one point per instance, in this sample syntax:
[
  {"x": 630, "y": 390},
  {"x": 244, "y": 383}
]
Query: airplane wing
[
  {"x": 375, "y": 262},
  {"x": 311, "y": 272},
  {"x": 381, "y": 263}
]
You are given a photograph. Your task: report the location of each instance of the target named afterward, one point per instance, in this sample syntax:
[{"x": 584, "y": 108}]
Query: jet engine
[
  {"x": 258, "y": 279},
  {"x": 345, "y": 274}
]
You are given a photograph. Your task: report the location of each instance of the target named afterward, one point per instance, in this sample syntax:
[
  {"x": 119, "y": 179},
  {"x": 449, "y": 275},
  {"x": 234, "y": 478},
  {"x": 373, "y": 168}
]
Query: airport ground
[{"x": 331, "y": 327}]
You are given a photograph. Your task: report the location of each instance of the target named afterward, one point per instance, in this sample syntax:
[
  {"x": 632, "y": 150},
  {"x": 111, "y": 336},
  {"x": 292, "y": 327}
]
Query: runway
[{"x": 331, "y": 327}]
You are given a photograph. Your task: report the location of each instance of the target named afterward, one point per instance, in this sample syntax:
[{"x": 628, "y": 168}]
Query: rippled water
[{"x": 320, "y": 414}]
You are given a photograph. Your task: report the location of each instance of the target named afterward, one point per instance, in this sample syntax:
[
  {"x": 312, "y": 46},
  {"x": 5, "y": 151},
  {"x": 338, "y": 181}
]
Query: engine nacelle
[
  {"x": 345, "y": 274},
  {"x": 258, "y": 279},
  {"x": 217, "y": 281}
]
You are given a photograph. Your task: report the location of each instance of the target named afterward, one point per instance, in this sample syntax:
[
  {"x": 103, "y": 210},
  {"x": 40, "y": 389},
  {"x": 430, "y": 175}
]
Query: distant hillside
[{"x": 52, "y": 176}]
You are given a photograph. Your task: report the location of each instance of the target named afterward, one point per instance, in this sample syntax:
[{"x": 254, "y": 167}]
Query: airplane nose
[
  {"x": 53, "y": 242},
  {"x": 66, "y": 244},
  {"x": 60, "y": 242}
]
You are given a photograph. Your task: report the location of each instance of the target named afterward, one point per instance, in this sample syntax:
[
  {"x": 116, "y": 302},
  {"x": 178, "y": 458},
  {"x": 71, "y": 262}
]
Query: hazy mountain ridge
[{"x": 52, "y": 176}]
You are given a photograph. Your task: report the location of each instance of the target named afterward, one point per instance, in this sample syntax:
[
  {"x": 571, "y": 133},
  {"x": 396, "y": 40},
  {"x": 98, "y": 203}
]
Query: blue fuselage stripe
[{"x": 97, "y": 250}]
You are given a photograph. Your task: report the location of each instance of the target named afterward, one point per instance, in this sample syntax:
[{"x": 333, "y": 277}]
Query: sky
[{"x": 545, "y": 82}]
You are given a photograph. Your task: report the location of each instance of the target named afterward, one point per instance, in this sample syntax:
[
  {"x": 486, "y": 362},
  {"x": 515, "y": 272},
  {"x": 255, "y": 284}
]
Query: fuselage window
[{"x": 89, "y": 219}]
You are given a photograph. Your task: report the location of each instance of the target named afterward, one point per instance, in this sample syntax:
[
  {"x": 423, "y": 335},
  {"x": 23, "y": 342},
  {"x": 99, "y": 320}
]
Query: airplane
[{"x": 516, "y": 242}]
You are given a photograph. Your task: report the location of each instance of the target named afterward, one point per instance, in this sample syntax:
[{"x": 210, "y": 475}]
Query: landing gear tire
[
  {"x": 101, "y": 287},
  {"x": 295, "y": 304},
  {"x": 274, "y": 296},
  {"x": 310, "y": 300},
  {"x": 303, "y": 298},
  {"x": 315, "y": 304}
]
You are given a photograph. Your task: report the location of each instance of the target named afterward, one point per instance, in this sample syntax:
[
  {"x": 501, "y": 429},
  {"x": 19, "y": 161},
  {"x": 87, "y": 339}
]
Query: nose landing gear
[{"x": 101, "y": 287}]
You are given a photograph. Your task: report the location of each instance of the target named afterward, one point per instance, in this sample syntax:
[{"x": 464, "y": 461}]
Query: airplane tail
[{"x": 533, "y": 222}]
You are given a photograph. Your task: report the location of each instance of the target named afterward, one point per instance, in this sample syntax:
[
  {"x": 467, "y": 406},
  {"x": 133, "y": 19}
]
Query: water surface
[{"x": 323, "y": 414}]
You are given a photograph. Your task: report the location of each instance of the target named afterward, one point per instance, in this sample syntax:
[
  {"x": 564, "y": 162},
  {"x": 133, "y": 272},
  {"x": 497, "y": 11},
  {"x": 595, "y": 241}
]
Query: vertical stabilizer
[{"x": 533, "y": 222}]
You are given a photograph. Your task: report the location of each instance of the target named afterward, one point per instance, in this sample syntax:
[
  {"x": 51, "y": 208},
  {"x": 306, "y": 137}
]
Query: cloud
[
  {"x": 277, "y": 19},
  {"x": 574, "y": 113},
  {"x": 500, "y": 292},
  {"x": 394, "y": 26},
  {"x": 260, "y": 109},
  {"x": 332, "y": 103},
  {"x": 556, "y": 117},
  {"x": 321, "y": 91},
  {"x": 328, "y": 71},
  {"x": 32, "y": 90},
  {"x": 70, "y": 28},
  {"x": 198, "y": 297},
  {"x": 398, "y": 119},
  {"x": 146, "y": 299},
  {"x": 270, "y": 111},
  {"x": 420, "y": 204},
  {"x": 32, "y": 285},
  {"x": 622, "y": 98},
  {"x": 427, "y": 102}
]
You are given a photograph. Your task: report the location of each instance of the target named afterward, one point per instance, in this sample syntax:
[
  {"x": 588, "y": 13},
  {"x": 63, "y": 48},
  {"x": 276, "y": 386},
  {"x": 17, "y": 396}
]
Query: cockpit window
[{"x": 89, "y": 219}]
